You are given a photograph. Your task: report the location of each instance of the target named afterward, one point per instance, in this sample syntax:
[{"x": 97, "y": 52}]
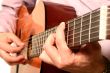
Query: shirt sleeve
[{"x": 8, "y": 15}]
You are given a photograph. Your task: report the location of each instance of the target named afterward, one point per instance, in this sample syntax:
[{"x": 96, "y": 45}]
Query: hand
[
  {"x": 6, "y": 39},
  {"x": 87, "y": 60}
]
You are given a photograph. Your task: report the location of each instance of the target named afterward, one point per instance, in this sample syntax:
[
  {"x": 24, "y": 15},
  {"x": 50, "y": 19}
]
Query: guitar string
[
  {"x": 68, "y": 23},
  {"x": 68, "y": 44},
  {"x": 37, "y": 50},
  {"x": 84, "y": 40},
  {"x": 34, "y": 42},
  {"x": 27, "y": 40},
  {"x": 34, "y": 38},
  {"x": 67, "y": 31},
  {"x": 41, "y": 44}
]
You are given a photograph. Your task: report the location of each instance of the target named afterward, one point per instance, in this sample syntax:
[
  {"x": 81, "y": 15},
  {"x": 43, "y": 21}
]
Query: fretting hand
[{"x": 56, "y": 52}]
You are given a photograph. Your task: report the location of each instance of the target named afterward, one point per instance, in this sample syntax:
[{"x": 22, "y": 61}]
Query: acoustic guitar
[
  {"x": 24, "y": 28},
  {"x": 93, "y": 26}
]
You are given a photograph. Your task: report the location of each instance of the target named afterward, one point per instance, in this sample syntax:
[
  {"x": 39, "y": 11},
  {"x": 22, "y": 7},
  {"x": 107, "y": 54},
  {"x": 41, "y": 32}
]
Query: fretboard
[{"x": 93, "y": 26}]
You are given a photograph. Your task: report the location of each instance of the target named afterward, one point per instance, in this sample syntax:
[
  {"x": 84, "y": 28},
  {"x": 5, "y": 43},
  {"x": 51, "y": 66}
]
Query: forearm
[{"x": 8, "y": 15}]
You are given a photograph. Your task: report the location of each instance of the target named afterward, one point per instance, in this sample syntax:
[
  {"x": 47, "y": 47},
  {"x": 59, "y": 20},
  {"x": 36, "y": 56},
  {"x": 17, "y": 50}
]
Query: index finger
[
  {"x": 11, "y": 59},
  {"x": 8, "y": 48},
  {"x": 16, "y": 40},
  {"x": 61, "y": 42}
]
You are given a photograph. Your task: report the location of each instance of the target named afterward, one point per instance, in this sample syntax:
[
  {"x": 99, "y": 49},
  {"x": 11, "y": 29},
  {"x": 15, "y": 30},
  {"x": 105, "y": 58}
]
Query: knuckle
[
  {"x": 44, "y": 46},
  {"x": 17, "y": 49},
  {"x": 60, "y": 65},
  {"x": 10, "y": 50},
  {"x": 9, "y": 61},
  {"x": 63, "y": 64}
]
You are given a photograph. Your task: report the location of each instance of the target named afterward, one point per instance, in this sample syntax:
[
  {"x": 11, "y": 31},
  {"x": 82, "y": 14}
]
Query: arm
[
  {"x": 85, "y": 60},
  {"x": 8, "y": 15}
]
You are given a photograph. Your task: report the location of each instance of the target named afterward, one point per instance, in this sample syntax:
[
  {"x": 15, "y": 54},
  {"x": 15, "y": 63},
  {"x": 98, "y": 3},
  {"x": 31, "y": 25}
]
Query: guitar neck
[{"x": 90, "y": 27}]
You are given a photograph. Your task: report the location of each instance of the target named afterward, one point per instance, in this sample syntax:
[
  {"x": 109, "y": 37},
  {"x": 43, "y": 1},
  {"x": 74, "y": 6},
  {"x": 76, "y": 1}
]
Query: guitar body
[
  {"x": 27, "y": 25},
  {"x": 34, "y": 23}
]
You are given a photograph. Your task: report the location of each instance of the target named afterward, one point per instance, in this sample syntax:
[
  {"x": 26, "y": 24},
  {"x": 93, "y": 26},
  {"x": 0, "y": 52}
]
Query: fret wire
[
  {"x": 35, "y": 36},
  {"x": 81, "y": 29},
  {"x": 86, "y": 29},
  {"x": 36, "y": 52},
  {"x": 84, "y": 40},
  {"x": 39, "y": 43},
  {"x": 70, "y": 27},
  {"x": 108, "y": 22},
  {"x": 85, "y": 34},
  {"x": 94, "y": 16},
  {"x": 67, "y": 31},
  {"x": 83, "y": 21},
  {"x": 73, "y": 33},
  {"x": 86, "y": 24},
  {"x": 90, "y": 27}
]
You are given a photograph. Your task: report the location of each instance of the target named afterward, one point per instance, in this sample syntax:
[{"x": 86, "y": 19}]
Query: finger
[
  {"x": 44, "y": 57},
  {"x": 8, "y": 48},
  {"x": 51, "y": 50},
  {"x": 16, "y": 40},
  {"x": 64, "y": 51},
  {"x": 11, "y": 59}
]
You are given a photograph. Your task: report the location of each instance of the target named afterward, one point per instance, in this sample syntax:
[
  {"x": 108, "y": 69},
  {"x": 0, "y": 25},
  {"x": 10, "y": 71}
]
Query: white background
[{"x": 4, "y": 67}]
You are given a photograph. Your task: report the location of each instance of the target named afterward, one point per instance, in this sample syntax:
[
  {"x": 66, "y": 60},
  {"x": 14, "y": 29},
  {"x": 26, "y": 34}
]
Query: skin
[
  {"x": 5, "y": 48},
  {"x": 84, "y": 61}
]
